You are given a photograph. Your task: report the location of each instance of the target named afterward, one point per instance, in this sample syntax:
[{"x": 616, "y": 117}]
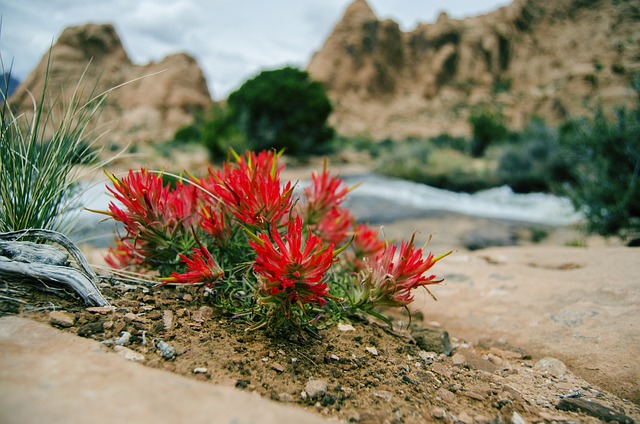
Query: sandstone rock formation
[
  {"x": 155, "y": 100},
  {"x": 545, "y": 58}
]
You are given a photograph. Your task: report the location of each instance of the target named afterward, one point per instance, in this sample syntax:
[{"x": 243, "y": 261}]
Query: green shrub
[
  {"x": 487, "y": 126},
  {"x": 533, "y": 161},
  {"x": 605, "y": 154},
  {"x": 278, "y": 109}
]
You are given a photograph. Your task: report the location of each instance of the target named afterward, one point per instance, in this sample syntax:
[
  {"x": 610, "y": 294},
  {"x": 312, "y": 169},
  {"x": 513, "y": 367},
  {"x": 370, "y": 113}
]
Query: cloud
[{"x": 231, "y": 39}]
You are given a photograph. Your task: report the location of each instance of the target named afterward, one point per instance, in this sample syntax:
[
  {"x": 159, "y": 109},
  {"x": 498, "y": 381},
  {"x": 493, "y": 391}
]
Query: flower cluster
[{"x": 270, "y": 252}]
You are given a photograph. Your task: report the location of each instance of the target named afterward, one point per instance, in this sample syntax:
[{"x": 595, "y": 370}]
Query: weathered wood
[
  {"x": 27, "y": 251},
  {"x": 26, "y": 262}
]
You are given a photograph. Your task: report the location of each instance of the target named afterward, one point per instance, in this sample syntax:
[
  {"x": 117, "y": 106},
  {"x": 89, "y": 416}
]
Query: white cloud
[{"x": 231, "y": 39}]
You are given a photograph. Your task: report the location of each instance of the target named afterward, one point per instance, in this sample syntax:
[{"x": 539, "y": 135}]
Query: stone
[
  {"x": 517, "y": 418},
  {"x": 62, "y": 318},
  {"x": 277, "y": 367},
  {"x": 204, "y": 313},
  {"x": 552, "y": 366},
  {"x": 44, "y": 370},
  {"x": 384, "y": 80},
  {"x": 129, "y": 354},
  {"x": 165, "y": 350},
  {"x": 458, "y": 359},
  {"x": 102, "y": 310},
  {"x": 167, "y": 319},
  {"x": 91, "y": 328},
  {"x": 372, "y": 350},
  {"x": 433, "y": 339},
  {"x": 345, "y": 327},
  {"x": 593, "y": 409},
  {"x": 316, "y": 389},
  {"x": 200, "y": 370},
  {"x": 484, "y": 237},
  {"x": 147, "y": 109},
  {"x": 384, "y": 395}
]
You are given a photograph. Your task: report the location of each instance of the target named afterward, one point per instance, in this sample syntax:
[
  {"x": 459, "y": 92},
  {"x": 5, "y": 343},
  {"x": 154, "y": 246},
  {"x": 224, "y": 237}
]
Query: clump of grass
[{"x": 40, "y": 151}]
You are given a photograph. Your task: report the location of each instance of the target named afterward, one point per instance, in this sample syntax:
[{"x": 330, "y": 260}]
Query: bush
[
  {"x": 606, "y": 163},
  {"x": 533, "y": 162},
  {"x": 278, "y": 109},
  {"x": 487, "y": 126}
]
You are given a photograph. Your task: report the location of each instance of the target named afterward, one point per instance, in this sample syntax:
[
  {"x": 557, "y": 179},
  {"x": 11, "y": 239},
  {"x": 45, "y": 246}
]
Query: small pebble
[
  {"x": 165, "y": 350},
  {"x": 62, "y": 318},
  {"x": 124, "y": 338},
  {"x": 277, "y": 367},
  {"x": 345, "y": 327},
  {"x": 129, "y": 354},
  {"x": 102, "y": 310},
  {"x": 316, "y": 388},
  {"x": 372, "y": 350},
  {"x": 201, "y": 370}
]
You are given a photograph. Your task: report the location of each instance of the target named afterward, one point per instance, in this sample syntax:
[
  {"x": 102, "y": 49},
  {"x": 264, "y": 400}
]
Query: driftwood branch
[{"x": 26, "y": 261}]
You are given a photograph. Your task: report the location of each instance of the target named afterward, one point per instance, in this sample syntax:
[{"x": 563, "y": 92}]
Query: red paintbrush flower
[
  {"x": 251, "y": 190},
  {"x": 334, "y": 226},
  {"x": 289, "y": 268},
  {"x": 325, "y": 193},
  {"x": 390, "y": 280},
  {"x": 201, "y": 268},
  {"x": 364, "y": 248}
]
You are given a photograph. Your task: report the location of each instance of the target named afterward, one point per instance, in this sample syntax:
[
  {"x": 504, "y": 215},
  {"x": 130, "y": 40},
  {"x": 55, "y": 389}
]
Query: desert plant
[
  {"x": 39, "y": 155},
  {"x": 269, "y": 254},
  {"x": 281, "y": 109},
  {"x": 533, "y": 161},
  {"x": 487, "y": 126},
  {"x": 605, "y": 154}
]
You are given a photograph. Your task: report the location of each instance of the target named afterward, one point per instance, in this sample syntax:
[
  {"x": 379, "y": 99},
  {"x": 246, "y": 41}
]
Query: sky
[{"x": 232, "y": 40}]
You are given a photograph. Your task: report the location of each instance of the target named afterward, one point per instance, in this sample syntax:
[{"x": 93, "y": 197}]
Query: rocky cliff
[
  {"x": 545, "y": 58},
  {"x": 152, "y": 102}
]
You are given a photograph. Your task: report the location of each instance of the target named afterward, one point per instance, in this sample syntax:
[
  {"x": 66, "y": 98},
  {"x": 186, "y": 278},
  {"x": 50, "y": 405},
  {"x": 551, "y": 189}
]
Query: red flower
[
  {"x": 291, "y": 269},
  {"x": 122, "y": 255},
  {"x": 324, "y": 194},
  {"x": 251, "y": 190},
  {"x": 390, "y": 280},
  {"x": 334, "y": 226},
  {"x": 201, "y": 268},
  {"x": 364, "y": 248}
]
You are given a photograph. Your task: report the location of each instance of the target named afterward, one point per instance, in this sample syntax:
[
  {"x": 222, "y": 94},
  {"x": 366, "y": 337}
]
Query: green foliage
[
  {"x": 447, "y": 168},
  {"x": 39, "y": 154},
  {"x": 606, "y": 162},
  {"x": 278, "y": 109},
  {"x": 487, "y": 126},
  {"x": 533, "y": 161}
]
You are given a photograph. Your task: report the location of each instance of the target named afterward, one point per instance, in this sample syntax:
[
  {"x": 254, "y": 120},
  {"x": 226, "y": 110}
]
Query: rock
[
  {"x": 129, "y": 354},
  {"x": 484, "y": 237},
  {"x": 131, "y": 317},
  {"x": 438, "y": 413},
  {"x": 51, "y": 368},
  {"x": 433, "y": 339},
  {"x": 62, "y": 318},
  {"x": 383, "y": 394},
  {"x": 148, "y": 109},
  {"x": 315, "y": 389},
  {"x": 371, "y": 350},
  {"x": 345, "y": 327},
  {"x": 458, "y": 359},
  {"x": 102, "y": 310},
  {"x": 202, "y": 314},
  {"x": 200, "y": 370},
  {"x": 285, "y": 397},
  {"x": 594, "y": 409},
  {"x": 89, "y": 329},
  {"x": 517, "y": 418},
  {"x": 124, "y": 338},
  {"x": 552, "y": 366},
  {"x": 277, "y": 367},
  {"x": 383, "y": 80},
  {"x": 167, "y": 319},
  {"x": 164, "y": 349}
]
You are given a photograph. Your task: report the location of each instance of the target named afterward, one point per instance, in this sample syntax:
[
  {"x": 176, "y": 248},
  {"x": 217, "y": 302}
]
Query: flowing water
[{"x": 381, "y": 200}]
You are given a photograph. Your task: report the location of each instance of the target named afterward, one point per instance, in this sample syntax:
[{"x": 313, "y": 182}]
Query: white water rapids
[{"x": 380, "y": 199}]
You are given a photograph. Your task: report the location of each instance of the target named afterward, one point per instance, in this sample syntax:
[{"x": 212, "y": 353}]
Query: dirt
[{"x": 355, "y": 372}]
